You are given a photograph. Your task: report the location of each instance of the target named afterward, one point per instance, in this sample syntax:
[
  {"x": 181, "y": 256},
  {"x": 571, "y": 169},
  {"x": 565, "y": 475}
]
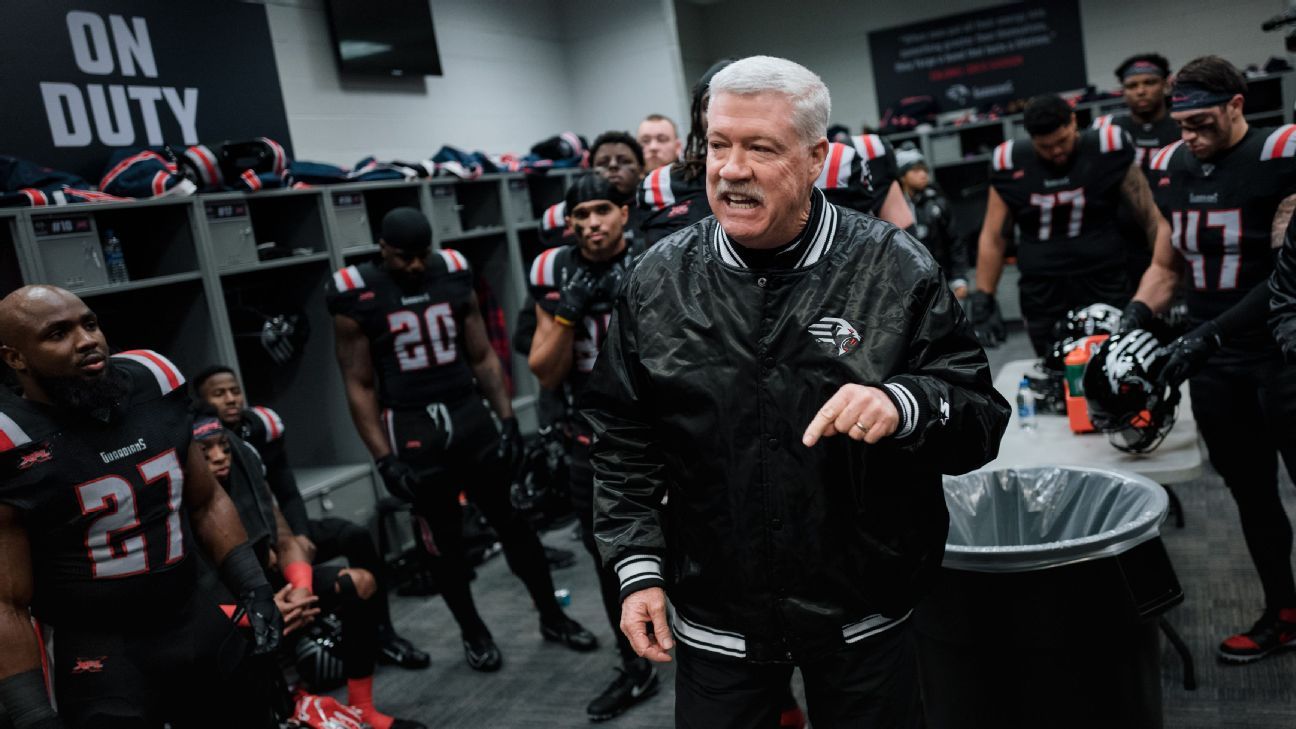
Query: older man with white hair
[{"x": 739, "y": 347}]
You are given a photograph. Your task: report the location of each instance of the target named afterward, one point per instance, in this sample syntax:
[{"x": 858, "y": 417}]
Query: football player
[
  {"x": 1227, "y": 189},
  {"x": 1061, "y": 191},
  {"x": 428, "y": 398},
  {"x": 323, "y": 539},
  {"x": 660, "y": 141},
  {"x": 1145, "y": 83},
  {"x": 102, "y": 495},
  {"x": 574, "y": 287},
  {"x": 349, "y": 591}
]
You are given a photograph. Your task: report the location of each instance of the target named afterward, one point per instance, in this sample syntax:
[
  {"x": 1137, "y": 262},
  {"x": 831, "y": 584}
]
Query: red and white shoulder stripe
[
  {"x": 542, "y": 268},
  {"x": 837, "y": 167},
  {"x": 555, "y": 217},
  {"x": 869, "y": 146},
  {"x": 657, "y": 188},
  {"x": 347, "y": 279},
  {"x": 1111, "y": 138},
  {"x": 1001, "y": 159},
  {"x": 168, "y": 376},
  {"x": 454, "y": 260},
  {"x": 281, "y": 157},
  {"x": 274, "y": 425},
  {"x": 1280, "y": 143},
  {"x": 11, "y": 434},
  {"x": 1161, "y": 157},
  {"x": 1103, "y": 121}
]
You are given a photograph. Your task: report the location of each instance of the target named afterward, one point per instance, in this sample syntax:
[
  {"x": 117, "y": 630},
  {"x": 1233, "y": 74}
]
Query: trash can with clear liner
[{"x": 1046, "y": 610}]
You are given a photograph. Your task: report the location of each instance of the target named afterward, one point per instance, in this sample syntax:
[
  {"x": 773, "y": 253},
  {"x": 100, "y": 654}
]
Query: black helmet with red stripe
[{"x": 1125, "y": 401}]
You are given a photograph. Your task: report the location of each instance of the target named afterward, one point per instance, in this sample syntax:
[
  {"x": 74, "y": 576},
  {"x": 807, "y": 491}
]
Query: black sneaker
[
  {"x": 1271, "y": 632},
  {"x": 633, "y": 684},
  {"x": 394, "y": 650},
  {"x": 482, "y": 654},
  {"x": 569, "y": 632}
]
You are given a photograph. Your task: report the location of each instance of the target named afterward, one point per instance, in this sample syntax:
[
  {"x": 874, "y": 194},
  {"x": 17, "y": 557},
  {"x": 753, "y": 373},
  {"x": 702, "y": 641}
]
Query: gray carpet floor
[{"x": 545, "y": 685}]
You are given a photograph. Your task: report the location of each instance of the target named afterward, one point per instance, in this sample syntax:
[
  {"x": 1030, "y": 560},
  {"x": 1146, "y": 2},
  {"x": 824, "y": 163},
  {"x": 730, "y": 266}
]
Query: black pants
[
  {"x": 335, "y": 537},
  {"x": 189, "y": 671},
  {"x": 1045, "y": 300},
  {"x": 582, "y": 494},
  {"x": 454, "y": 450},
  {"x": 1246, "y": 411},
  {"x": 869, "y": 685}
]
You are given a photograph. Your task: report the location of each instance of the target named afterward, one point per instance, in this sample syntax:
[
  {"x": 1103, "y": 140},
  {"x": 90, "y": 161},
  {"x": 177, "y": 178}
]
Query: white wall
[
  {"x": 831, "y": 38},
  {"x": 515, "y": 72}
]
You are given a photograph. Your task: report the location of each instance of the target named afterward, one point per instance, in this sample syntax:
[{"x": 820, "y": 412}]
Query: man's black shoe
[
  {"x": 559, "y": 558},
  {"x": 396, "y": 651},
  {"x": 570, "y": 632},
  {"x": 482, "y": 654},
  {"x": 633, "y": 684}
]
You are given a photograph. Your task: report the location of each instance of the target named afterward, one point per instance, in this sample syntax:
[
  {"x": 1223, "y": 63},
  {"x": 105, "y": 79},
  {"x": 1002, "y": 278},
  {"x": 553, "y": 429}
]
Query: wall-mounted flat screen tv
[{"x": 391, "y": 37}]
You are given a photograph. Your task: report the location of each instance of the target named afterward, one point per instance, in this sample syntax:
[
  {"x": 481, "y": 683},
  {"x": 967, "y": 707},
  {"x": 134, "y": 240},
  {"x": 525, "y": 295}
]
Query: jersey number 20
[
  {"x": 111, "y": 501},
  {"x": 416, "y": 335}
]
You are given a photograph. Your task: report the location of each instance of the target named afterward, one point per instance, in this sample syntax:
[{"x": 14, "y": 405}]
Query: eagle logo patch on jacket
[{"x": 836, "y": 333}]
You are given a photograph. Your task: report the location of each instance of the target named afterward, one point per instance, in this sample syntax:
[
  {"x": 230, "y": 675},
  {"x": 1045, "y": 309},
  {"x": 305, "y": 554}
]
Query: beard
[{"x": 87, "y": 396}]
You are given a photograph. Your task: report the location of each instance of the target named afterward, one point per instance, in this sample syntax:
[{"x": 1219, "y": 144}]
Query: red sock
[{"x": 360, "y": 696}]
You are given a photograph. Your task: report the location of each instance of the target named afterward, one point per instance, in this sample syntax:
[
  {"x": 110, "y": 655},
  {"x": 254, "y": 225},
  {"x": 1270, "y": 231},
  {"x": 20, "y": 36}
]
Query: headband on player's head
[
  {"x": 1189, "y": 97},
  {"x": 407, "y": 229},
  {"x": 593, "y": 186},
  {"x": 205, "y": 427},
  {"x": 1141, "y": 67}
]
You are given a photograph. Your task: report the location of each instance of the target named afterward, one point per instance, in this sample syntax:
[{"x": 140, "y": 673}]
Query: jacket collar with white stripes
[{"x": 813, "y": 243}]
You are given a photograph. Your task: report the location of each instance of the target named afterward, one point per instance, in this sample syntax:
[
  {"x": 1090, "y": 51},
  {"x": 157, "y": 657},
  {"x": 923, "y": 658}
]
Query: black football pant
[
  {"x": 359, "y": 647},
  {"x": 1045, "y": 300},
  {"x": 190, "y": 672},
  {"x": 335, "y": 537},
  {"x": 454, "y": 447},
  {"x": 872, "y": 684},
  {"x": 1246, "y": 412},
  {"x": 582, "y": 496}
]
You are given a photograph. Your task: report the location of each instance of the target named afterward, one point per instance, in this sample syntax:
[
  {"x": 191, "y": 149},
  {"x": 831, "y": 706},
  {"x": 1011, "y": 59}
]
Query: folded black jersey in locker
[
  {"x": 101, "y": 500},
  {"x": 414, "y": 337},
  {"x": 1066, "y": 217},
  {"x": 1221, "y": 215}
]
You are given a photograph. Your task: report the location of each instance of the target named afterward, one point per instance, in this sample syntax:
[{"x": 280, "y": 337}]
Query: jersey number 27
[{"x": 111, "y": 501}]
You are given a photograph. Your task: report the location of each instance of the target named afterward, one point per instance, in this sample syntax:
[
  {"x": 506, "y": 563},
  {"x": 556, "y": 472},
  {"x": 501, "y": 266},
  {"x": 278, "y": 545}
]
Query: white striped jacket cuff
[
  {"x": 907, "y": 404},
  {"x": 639, "y": 572}
]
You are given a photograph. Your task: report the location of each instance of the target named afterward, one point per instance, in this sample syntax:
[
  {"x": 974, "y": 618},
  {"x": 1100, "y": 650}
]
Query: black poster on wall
[
  {"x": 977, "y": 58},
  {"x": 84, "y": 78}
]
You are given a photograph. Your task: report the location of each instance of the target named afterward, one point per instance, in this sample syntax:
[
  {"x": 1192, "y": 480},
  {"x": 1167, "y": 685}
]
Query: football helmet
[
  {"x": 1075, "y": 326},
  {"x": 318, "y": 655},
  {"x": 1120, "y": 386}
]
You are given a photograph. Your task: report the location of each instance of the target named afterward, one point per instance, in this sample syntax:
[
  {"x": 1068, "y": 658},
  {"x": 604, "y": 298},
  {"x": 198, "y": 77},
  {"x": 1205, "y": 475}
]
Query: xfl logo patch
[
  {"x": 836, "y": 333},
  {"x": 33, "y": 457}
]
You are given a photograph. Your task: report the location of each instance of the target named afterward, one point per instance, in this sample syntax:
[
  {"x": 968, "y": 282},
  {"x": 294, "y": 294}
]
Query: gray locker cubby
[{"x": 191, "y": 279}]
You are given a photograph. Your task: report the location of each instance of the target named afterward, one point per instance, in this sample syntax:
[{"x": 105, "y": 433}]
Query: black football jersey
[
  {"x": 555, "y": 232},
  {"x": 1148, "y": 137},
  {"x": 669, "y": 202},
  {"x": 550, "y": 271},
  {"x": 101, "y": 501},
  {"x": 858, "y": 175},
  {"x": 415, "y": 338},
  {"x": 1221, "y": 214},
  {"x": 1066, "y": 219}
]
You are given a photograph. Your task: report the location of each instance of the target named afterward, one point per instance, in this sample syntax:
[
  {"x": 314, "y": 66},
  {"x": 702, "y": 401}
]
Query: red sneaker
[{"x": 1271, "y": 632}]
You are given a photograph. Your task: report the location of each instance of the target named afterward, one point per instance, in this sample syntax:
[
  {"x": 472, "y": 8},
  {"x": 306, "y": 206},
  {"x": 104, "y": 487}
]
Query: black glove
[
  {"x": 576, "y": 295},
  {"x": 987, "y": 321},
  {"x": 258, "y": 606},
  {"x": 610, "y": 283},
  {"x": 398, "y": 476},
  {"x": 510, "y": 441},
  {"x": 1188, "y": 354},
  {"x": 242, "y": 574},
  {"x": 1137, "y": 315}
]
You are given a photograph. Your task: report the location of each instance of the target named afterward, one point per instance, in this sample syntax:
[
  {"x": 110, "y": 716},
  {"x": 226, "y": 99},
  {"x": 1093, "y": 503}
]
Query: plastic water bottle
[
  {"x": 1025, "y": 405},
  {"x": 114, "y": 259}
]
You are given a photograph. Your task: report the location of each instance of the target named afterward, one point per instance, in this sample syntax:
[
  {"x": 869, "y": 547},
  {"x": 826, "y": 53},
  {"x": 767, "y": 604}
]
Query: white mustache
[{"x": 743, "y": 189}]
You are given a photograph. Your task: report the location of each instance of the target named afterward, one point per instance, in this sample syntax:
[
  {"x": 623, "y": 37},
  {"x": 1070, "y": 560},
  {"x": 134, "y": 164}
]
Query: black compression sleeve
[
  {"x": 241, "y": 571},
  {"x": 1249, "y": 313},
  {"x": 23, "y": 696}
]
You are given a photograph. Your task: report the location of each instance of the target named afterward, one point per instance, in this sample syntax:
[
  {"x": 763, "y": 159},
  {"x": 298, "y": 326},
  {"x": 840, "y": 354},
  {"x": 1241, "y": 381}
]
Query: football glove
[
  {"x": 575, "y": 297},
  {"x": 510, "y": 441},
  {"x": 1137, "y": 315},
  {"x": 987, "y": 321},
  {"x": 258, "y": 606},
  {"x": 398, "y": 476},
  {"x": 1188, "y": 354}
]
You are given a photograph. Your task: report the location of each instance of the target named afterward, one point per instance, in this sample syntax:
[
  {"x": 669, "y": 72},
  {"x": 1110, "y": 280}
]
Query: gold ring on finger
[{"x": 863, "y": 428}]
